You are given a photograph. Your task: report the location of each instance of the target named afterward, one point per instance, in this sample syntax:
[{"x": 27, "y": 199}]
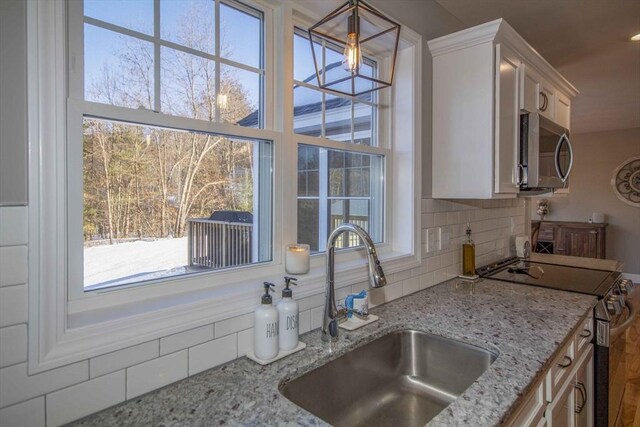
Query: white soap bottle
[
  {"x": 288, "y": 317},
  {"x": 265, "y": 327}
]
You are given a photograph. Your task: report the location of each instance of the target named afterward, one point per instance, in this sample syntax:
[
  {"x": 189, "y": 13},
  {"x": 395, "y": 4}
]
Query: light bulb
[{"x": 352, "y": 57}]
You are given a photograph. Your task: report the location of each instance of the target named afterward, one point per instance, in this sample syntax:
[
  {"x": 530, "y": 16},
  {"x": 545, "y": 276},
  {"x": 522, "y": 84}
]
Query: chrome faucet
[{"x": 376, "y": 277}]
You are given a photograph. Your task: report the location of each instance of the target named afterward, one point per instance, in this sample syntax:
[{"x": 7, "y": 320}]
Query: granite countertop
[
  {"x": 525, "y": 325},
  {"x": 581, "y": 262}
]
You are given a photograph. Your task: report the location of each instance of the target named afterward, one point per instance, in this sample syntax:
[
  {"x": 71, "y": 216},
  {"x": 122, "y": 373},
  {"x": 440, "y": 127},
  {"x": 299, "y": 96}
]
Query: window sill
[{"x": 97, "y": 331}]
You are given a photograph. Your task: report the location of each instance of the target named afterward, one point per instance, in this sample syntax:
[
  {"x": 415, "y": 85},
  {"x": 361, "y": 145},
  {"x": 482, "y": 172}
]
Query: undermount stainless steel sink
[{"x": 404, "y": 378}]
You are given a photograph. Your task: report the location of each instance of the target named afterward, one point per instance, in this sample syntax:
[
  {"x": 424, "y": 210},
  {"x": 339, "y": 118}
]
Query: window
[
  {"x": 99, "y": 77},
  {"x": 335, "y": 186},
  {"x": 167, "y": 194}
]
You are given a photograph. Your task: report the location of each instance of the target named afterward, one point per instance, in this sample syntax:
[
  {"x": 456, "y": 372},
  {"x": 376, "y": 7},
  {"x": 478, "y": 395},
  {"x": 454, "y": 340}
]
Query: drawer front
[
  {"x": 546, "y": 233},
  {"x": 560, "y": 370},
  {"x": 584, "y": 336},
  {"x": 531, "y": 412}
]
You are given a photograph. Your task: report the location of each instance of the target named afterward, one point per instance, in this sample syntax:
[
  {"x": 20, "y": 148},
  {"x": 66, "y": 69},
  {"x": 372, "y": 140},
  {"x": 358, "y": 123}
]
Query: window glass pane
[
  {"x": 189, "y": 23},
  {"x": 308, "y": 220},
  {"x": 187, "y": 85},
  {"x": 152, "y": 210},
  {"x": 337, "y": 118},
  {"x": 349, "y": 211},
  {"x": 364, "y": 117},
  {"x": 307, "y": 111},
  {"x": 308, "y": 171},
  {"x": 134, "y": 15},
  {"x": 349, "y": 189},
  {"x": 239, "y": 97},
  {"x": 240, "y": 36},
  {"x": 303, "y": 69},
  {"x": 118, "y": 69}
]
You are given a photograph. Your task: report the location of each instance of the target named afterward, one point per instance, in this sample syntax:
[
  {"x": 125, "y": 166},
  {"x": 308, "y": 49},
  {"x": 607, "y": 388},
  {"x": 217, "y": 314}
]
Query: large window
[
  {"x": 170, "y": 195},
  {"x": 335, "y": 186}
]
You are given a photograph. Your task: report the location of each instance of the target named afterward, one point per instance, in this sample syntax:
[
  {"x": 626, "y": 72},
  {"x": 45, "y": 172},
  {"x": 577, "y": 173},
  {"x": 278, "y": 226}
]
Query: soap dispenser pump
[
  {"x": 288, "y": 317},
  {"x": 265, "y": 326}
]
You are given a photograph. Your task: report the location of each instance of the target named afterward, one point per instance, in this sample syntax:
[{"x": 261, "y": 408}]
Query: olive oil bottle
[{"x": 468, "y": 255}]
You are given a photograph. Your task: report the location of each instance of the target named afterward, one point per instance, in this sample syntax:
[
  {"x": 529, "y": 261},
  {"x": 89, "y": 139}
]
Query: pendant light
[{"x": 368, "y": 42}]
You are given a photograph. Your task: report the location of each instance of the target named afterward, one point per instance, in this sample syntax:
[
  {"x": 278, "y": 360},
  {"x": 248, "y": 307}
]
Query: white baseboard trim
[{"x": 634, "y": 277}]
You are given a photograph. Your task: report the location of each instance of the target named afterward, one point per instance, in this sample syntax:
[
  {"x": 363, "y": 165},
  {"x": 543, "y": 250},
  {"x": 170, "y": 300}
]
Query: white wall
[{"x": 596, "y": 157}]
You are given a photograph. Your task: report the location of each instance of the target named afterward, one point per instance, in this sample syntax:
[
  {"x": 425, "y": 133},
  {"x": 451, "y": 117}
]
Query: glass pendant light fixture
[
  {"x": 352, "y": 57},
  {"x": 368, "y": 41}
]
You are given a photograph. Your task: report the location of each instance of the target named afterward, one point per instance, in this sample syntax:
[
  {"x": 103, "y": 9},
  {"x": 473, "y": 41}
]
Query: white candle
[{"x": 297, "y": 258}]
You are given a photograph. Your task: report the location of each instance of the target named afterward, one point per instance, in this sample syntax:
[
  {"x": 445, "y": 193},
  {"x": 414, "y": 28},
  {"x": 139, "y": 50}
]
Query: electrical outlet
[
  {"x": 433, "y": 239},
  {"x": 445, "y": 240}
]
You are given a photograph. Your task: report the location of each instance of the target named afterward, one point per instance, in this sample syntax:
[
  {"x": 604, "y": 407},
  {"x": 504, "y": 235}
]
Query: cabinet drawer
[
  {"x": 560, "y": 370},
  {"x": 546, "y": 233},
  {"x": 584, "y": 336},
  {"x": 531, "y": 412}
]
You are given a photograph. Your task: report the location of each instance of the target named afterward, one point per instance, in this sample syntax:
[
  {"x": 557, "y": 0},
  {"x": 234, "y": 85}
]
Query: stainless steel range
[{"x": 613, "y": 314}]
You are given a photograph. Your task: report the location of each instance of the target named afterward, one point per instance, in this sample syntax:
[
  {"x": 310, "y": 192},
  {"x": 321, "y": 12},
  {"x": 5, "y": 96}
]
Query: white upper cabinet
[{"x": 483, "y": 78}]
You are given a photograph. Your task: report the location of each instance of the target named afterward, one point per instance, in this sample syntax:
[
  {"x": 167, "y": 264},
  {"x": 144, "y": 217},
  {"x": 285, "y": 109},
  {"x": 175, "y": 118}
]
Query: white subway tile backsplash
[
  {"x": 235, "y": 324},
  {"x": 13, "y": 225},
  {"x": 80, "y": 400},
  {"x": 25, "y": 414},
  {"x": 245, "y": 342},
  {"x": 186, "y": 339},
  {"x": 156, "y": 373},
  {"x": 316, "y": 317},
  {"x": 426, "y": 281},
  {"x": 13, "y": 265},
  {"x": 378, "y": 296},
  {"x": 13, "y": 345},
  {"x": 213, "y": 353},
  {"x": 410, "y": 286},
  {"x": 304, "y": 322},
  {"x": 121, "y": 359},
  {"x": 16, "y": 385},
  {"x": 13, "y": 305}
]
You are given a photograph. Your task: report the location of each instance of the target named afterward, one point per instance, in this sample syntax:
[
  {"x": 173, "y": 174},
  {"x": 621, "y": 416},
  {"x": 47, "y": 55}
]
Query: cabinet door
[
  {"x": 507, "y": 117},
  {"x": 547, "y": 101},
  {"x": 561, "y": 412},
  {"x": 529, "y": 89},
  {"x": 563, "y": 111},
  {"x": 582, "y": 242},
  {"x": 583, "y": 392}
]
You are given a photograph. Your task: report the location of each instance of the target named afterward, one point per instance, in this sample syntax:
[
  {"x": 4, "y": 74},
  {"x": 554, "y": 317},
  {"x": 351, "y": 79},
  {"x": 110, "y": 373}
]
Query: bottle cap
[
  {"x": 286, "y": 292},
  {"x": 266, "y": 298}
]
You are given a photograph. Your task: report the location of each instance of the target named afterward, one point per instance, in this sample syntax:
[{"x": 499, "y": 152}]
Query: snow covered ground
[{"x": 134, "y": 261}]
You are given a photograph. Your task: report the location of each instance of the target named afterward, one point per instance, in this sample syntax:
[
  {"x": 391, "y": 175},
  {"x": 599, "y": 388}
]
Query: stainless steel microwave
[{"x": 545, "y": 155}]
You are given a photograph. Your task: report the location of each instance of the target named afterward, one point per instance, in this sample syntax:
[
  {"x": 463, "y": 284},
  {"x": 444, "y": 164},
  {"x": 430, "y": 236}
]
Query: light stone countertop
[
  {"x": 525, "y": 325},
  {"x": 580, "y": 262}
]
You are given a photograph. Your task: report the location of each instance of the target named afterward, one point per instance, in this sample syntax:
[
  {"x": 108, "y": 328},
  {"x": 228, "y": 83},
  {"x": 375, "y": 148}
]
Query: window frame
[{"x": 64, "y": 330}]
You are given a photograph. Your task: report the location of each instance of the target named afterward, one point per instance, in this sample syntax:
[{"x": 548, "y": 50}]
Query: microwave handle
[
  {"x": 521, "y": 175},
  {"x": 557, "y": 157}
]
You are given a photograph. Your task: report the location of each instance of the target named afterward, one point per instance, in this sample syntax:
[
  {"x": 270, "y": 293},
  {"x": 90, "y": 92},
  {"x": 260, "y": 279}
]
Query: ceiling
[{"x": 587, "y": 41}]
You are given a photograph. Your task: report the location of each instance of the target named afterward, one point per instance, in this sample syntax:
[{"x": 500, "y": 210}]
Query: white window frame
[{"x": 64, "y": 330}]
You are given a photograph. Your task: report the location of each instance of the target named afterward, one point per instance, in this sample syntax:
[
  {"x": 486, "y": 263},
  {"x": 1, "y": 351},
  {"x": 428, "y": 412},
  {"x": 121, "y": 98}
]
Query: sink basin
[{"x": 404, "y": 378}]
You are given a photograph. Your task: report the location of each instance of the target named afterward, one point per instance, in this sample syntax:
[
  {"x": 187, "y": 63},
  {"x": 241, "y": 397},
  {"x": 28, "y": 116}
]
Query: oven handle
[{"x": 623, "y": 327}]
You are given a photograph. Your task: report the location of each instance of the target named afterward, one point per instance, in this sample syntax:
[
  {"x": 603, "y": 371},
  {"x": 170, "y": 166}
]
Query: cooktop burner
[{"x": 573, "y": 279}]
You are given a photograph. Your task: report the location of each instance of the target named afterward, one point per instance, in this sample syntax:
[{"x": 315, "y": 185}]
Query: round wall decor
[{"x": 626, "y": 181}]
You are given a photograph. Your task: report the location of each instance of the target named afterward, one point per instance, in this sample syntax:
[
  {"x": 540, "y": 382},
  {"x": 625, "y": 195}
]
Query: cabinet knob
[{"x": 566, "y": 362}]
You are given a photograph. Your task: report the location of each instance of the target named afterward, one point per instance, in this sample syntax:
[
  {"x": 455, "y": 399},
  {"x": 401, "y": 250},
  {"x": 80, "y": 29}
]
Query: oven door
[{"x": 617, "y": 361}]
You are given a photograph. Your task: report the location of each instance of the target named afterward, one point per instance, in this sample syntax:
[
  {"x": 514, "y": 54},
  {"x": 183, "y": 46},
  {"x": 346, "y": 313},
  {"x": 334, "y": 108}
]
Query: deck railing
[{"x": 219, "y": 244}]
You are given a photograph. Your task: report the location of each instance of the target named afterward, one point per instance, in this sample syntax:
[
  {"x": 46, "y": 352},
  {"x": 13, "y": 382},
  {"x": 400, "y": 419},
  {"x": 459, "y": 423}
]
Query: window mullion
[
  {"x": 323, "y": 200},
  {"x": 156, "y": 57},
  {"x": 217, "y": 64}
]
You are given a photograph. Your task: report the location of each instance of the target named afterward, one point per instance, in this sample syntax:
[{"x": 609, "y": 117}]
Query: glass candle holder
[{"x": 297, "y": 258}]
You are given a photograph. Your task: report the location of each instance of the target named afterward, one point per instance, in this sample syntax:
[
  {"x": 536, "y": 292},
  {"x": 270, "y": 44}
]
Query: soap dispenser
[
  {"x": 265, "y": 327},
  {"x": 288, "y": 317}
]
